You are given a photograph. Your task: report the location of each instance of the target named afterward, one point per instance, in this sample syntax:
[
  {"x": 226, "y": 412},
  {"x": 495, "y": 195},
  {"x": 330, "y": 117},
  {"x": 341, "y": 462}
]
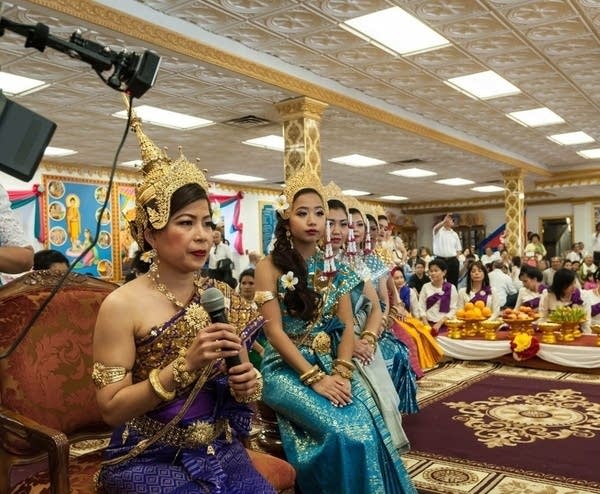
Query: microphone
[{"x": 213, "y": 302}]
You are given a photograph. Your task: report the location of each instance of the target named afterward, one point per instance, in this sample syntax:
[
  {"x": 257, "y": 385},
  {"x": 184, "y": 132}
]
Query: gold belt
[
  {"x": 320, "y": 342},
  {"x": 192, "y": 436}
]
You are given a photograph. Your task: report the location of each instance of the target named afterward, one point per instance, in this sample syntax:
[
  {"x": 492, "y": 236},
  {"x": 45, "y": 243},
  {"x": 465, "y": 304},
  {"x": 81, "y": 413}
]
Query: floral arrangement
[
  {"x": 574, "y": 313},
  {"x": 524, "y": 346}
]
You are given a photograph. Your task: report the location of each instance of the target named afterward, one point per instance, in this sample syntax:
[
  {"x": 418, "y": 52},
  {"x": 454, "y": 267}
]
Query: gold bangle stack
[
  {"x": 255, "y": 396},
  {"x": 158, "y": 388},
  {"x": 312, "y": 376},
  {"x": 181, "y": 375},
  {"x": 343, "y": 368},
  {"x": 370, "y": 337}
]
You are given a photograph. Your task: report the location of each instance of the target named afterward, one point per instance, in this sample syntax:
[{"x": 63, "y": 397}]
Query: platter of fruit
[
  {"x": 474, "y": 311},
  {"x": 522, "y": 314}
]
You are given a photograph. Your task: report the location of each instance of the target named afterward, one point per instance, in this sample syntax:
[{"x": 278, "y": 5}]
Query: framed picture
[
  {"x": 267, "y": 221},
  {"x": 72, "y": 212},
  {"x": 127, "y": 246}
]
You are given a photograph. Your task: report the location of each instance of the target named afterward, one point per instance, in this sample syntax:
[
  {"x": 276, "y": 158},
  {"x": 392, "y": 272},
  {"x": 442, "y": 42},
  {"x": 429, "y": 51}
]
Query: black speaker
[{"x": 24, "y": 136}]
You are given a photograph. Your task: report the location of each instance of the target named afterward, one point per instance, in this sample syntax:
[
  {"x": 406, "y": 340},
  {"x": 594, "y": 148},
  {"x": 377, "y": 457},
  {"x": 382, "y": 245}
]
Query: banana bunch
[{"x": 574, "y": 313}]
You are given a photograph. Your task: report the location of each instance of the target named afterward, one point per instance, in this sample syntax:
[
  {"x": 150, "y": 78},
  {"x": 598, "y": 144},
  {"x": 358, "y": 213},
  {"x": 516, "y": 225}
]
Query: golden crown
[
  {"x": 369, "y": 208},
  {"x": 161, "y": 177},
  {"x": 334, "y": 192},
  {"x": 304, "y": 178},
  {"x": 379, "y": 210}
]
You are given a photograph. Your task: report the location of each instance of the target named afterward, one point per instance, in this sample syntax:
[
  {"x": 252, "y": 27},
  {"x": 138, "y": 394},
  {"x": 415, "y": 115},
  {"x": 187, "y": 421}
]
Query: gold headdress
[
  {"x": 379, "y": 210},
  {"x": 304, "y": 178},
  {"x": 161, "y": 178},
  {"x": 334, "y": 192}
]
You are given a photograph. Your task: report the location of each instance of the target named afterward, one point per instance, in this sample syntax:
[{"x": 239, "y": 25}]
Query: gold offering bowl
[
  {"x": 596, "y": 330},
  {"x": 570, "y": 330},
  {"x": 519, "y": 325},
  {"x": 548, "y": 330},
  {"x": 490, "y": 326},
  {"x": 455, "y": 328},
  {"x": 473, "y": 326}
]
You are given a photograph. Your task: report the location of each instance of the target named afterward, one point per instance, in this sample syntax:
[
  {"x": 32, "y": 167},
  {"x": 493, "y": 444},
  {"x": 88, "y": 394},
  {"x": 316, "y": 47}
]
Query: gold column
[
  {"x": 301, "y": 133},
  {"x": 514, "y": 200}
]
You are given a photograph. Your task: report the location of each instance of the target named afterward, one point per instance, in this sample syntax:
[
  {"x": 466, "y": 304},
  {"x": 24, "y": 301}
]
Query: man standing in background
[
  {"x": 446, "y": 246},
  {"x": 216, "y": 258}
]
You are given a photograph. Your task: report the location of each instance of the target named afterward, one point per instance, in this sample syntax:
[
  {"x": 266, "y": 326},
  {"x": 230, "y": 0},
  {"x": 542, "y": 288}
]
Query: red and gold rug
[{"x": 488, "y": 429}]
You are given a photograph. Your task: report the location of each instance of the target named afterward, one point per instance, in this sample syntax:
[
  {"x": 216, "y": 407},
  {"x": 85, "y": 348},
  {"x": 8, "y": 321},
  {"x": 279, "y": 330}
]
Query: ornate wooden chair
[{"x": 47, "y": 399}]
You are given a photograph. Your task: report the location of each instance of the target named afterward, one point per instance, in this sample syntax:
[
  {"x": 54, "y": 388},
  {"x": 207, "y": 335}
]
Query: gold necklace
[{"x": 162, "y": 288}]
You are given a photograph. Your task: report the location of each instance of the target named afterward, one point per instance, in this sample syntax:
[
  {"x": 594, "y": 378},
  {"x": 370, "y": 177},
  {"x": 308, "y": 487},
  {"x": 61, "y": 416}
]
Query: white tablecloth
[{"x": 587, "y": 357}]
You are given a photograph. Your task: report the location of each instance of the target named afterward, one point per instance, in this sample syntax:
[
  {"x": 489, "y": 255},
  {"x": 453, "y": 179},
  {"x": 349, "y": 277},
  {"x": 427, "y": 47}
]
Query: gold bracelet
[
  {"x": 370, "y": 336},
  {"x": 256, "y": 394},
  {"x": 103, "y": 375},
  {"x": 343, "y": 372},
  {"x": 309, "y": 373},
  {"x": 158, "y": 388},
  {"x": 314, "y": 379},
  {"x": 262, "y": 297},
  {"x": 181, "y": 375},
  {"x": 344, "y": 363}
]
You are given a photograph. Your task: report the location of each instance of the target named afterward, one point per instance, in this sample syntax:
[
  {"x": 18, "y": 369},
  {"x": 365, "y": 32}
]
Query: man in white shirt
[
  {"x": 447, "y": 246},
  {"x": 16, "y": 255},
  {"x": 490, "y": 256},
  {"x": 596, "y": 245},
  {"x": 218, "y": 252},
  {"x": 548, "y": 274},
  {"x": 503, "y": 286}
]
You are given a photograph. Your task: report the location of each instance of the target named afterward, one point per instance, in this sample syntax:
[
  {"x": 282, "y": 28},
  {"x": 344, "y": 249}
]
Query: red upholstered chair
[{"x": 47, "y": 399}]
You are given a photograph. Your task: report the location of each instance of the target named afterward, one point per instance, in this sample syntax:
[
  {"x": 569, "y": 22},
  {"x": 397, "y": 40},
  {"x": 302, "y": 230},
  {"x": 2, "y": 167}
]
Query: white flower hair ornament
[
  {"x": 281, "y": 204},
  {"x": 289, "y": 281}
]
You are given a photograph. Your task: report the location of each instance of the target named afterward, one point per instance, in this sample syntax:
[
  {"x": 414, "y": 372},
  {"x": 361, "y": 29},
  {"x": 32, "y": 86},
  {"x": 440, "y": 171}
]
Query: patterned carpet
[{"x": 491, "y": 429}]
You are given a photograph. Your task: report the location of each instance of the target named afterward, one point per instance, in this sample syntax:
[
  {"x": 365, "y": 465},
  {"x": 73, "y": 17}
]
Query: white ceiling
[{"x": 550, "y": 49}]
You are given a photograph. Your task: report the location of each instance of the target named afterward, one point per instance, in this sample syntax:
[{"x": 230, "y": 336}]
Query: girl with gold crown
[
  {"x": 331, "y": 429},
  {"x": 158, "y": 368}
]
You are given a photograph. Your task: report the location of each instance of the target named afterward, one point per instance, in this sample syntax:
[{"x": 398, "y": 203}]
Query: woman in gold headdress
[
  {"x": 331, "y": 429},
  {"x": 159, "y": 370}
]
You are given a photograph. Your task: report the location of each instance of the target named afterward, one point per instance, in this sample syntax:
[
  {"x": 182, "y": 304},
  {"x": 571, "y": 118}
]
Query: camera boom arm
[{"x": 132, "y": 73}]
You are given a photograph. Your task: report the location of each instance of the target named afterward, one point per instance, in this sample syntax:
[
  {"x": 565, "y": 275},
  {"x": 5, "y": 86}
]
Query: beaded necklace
[{"x": 162, "y": 288}]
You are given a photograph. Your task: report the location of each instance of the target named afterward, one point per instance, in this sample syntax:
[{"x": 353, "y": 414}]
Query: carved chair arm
[{"x": 52, "y": 441}]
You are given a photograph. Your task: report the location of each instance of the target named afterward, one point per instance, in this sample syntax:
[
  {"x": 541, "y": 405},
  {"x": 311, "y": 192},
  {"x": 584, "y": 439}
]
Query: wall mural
[{"x": 71, "y": 211}]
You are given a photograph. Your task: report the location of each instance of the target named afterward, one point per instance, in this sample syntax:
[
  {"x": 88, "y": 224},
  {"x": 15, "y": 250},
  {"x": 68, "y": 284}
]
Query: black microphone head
[{"x": 212, "y": 300}]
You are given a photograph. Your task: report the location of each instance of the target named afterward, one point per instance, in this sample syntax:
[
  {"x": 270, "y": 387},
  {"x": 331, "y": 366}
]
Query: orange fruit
[
  {"x": 480, "y": 304},
  {"x": 460, "y": 314},
  {"x": 469, "y": 306},
  {"x": 486, "y": 312},
  {"x": 477, "y": 312}
]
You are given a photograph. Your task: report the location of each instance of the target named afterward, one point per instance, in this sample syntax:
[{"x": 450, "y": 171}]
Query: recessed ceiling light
[
  {"x": 483, "y": 85},
  {"x": 571, "y": 138},
  {"x": 488, "y": 188},
  {"x": 590, "y": 153},
  {"x": 166, "y": 118},
  {"x": 413, "y": 173},
  {"x": 393, "y": 198},
  {"x": 273, "y": 142},
  {"x": 536, "y": 117},
  {"x": 13, "y": 85},
  {"x": 355, "y": 193},
  {"x": 454, "y": 181},
  {"x": 357, "y": 160},
  {"x": 58, "y": 152},
  {"x": 133, "y": 163},
  {"x": 236, "y": 177},
  {"x": 395, "y": 31}
]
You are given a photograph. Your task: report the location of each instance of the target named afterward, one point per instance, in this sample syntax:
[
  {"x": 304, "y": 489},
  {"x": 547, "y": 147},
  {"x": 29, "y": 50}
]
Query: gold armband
[
  {"x": 262, "y": 297},
  {"x": 370, "y": 337},
  {"x": 158, "y": 388},
  {"x": 103, "y": 375},
  {"x": 181, "y": 375},
  {"x": 255, "y": 396},
  {"x": 315, "y": 378},
  {"x": 309, "y": 373}
]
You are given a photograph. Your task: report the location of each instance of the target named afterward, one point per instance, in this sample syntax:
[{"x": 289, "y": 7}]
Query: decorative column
[
  {"x": 301, "y": 133},
  {"x": 514, "y": 200}
]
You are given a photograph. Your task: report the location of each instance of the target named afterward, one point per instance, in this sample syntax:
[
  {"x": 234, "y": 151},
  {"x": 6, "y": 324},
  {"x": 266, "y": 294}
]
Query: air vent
[{"x": 248, "y": 122}]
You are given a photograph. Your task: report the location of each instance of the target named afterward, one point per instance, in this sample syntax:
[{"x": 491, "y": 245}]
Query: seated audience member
[
  {"x": 425, "y": 254},
  {"x": 50, "y": 259},
  {"x": 16, "y": 255},
  {"x": 587, "y": 266},
  {"x": 478, "y": 288},
  {"x": 463, "y": 273},
  {"x": 548, "y": 274},
  {"x": 593, "y": 300},
  {"x": 438, "y": 298},
  {"x": 418, "y": 278},
  {"x": 502, "y": 285},
  {"x": 576, "y": 253},
  {"x": 564, "y": 293},
  {"x": 589, "y": 283},
  {"x": 247, "y": 290},
  {"x": 409, "y": 265},
  {"x": 531, "y": 292},
  {"x": 535, "y": 247},
  {"x": 489, "y": 256}
]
